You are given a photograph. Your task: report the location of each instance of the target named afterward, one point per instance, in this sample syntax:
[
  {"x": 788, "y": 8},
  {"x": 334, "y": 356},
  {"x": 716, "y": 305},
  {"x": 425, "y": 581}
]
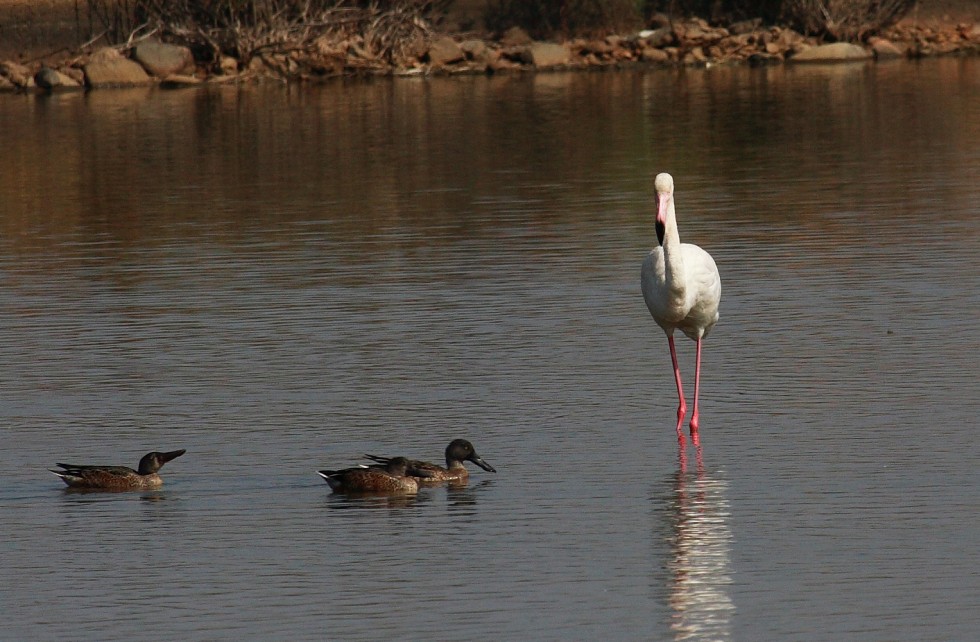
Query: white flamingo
[{"x": 682, "y": 288}]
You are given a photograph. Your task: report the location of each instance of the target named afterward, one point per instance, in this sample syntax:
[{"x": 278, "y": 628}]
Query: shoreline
[{"x": 691, "y": 42}]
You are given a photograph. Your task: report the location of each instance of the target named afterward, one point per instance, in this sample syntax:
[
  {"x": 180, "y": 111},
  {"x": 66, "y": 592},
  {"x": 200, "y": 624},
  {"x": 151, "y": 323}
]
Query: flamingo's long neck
[{"x": 673, "y": 261}]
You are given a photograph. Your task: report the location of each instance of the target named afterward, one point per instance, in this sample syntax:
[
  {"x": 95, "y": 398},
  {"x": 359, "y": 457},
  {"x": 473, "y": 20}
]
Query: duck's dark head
[
  {"x": 152, "y": 462},
  {"x": 462, "y": 450}
]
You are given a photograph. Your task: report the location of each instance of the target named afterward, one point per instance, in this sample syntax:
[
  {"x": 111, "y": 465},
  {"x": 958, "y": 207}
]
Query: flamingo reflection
[{"x": 699, "y": 593}]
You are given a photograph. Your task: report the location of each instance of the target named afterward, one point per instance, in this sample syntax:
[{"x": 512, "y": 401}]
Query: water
[{"x": 279, "y": 279}]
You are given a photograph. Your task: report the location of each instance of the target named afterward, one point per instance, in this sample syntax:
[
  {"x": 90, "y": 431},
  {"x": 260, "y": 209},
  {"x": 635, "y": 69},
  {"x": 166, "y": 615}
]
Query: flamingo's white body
[{"x": 682, "y": 288}]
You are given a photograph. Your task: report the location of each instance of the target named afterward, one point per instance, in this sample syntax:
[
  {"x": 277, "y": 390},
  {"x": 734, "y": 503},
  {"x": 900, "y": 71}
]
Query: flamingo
[{"x": 682, "y": 289}]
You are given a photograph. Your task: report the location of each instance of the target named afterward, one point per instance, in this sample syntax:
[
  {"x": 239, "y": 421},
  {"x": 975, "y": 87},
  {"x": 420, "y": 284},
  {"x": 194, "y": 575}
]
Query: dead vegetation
[
  {"x": 845, "y": 20},
  {"x": 388, "y": 31},
  {"x": 841, "y": 20},
  {"x": 394, "y": 31}
]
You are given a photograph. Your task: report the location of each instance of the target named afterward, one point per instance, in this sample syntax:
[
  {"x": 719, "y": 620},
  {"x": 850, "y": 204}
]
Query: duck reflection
[
  {"x": 372, "y": 500},
  {"x": 699, "y": 562}
]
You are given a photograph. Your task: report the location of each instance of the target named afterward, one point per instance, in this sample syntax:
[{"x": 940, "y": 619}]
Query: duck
[
  {"x": 389, "y": 477},
  {"x": 118, "y": 477},
  {"x": 458, "y": 451}
]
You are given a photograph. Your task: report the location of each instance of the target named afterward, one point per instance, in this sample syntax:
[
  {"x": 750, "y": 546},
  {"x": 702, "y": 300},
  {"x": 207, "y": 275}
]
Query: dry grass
[
  {"x": 388, "y": 31},
  {"x": 846, "y": 20}
]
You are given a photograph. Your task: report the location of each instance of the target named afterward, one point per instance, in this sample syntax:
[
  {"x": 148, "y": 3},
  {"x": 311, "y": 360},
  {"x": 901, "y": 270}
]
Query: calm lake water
[{"x": 279, "y": 279}]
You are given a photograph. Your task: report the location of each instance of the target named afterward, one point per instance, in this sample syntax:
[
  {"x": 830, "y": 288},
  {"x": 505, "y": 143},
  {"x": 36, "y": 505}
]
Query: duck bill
[
  {"x": 173, "y": 454},
  {"x": 482, "y": 464}
]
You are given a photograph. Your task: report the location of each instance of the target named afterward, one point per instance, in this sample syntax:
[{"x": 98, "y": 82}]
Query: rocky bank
[{"x": 691, "y": 42}]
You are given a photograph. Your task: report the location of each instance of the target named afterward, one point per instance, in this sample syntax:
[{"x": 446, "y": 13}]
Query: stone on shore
[
  {"x": 19, "y": 75},
  {"x": 48, "y": 78},
  {"x": 162, "y": 59},
  {"x": 836, "y": 52},
  {"x": 475, "y": 49},
  {"x": 108, "y": 68},
  {"x": 658, "y": 37},
  {"x": 545, "y": 54},
  {"x": 443, "y": 51},
  {"x": 228, "y": 65},
  {"x": 650, "y": 54},
  {"x": 883, "y": 48},
  {"x": 176, "y": 81}
]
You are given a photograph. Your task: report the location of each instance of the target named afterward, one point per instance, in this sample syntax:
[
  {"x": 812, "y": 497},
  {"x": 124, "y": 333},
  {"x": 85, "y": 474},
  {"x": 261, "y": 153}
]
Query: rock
[
  {"x": 598, "y": 47},
  {"x": 515, "y": 37},
  {"x": 443, "y": 50},
  {"x": 690, "y": 32},
  {"x": 695, "y": 57},
  {"x": 789, "y": 38},
  {"x": 545, "y": 54},
  {"x": 161, "y": 59},
  {"x": 836, "y": 52},
  {"x": 17, "y": 74},
  {"x": 176, "y": 81},
  {"x": 497, "y": 62},
  {"x": 650, "y": 54},
  {"x": 118, "y": 72},
  {"x": 883, "y": 49},
  {"x": 659, "y": 37},
  {"x": 75, "y": 74},
  {"x": 228, "y": 65},
  {"x": 475, "y": 49},
  {"x": 48, "y": 78}
]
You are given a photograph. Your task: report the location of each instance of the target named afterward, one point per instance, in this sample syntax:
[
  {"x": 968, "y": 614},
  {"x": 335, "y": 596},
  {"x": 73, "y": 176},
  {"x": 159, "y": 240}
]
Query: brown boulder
[
  {"x": 658, "y": 37},
  {"x": 48, "y": 78},
  {"x": 17, "y": 74},
  {"x": 475, "y": 49},
  {"x": 545, "y": 54},
  {"x": 114, "y": 72},
  {"x": 176, "y": 81},
  {"x": 883, "y": 48},
  {"x": 651, "y": 54},
  {"x": 443, "y": 50},
  {"x": 161, "y": 59},
  {"x": 836, "y": 52}
]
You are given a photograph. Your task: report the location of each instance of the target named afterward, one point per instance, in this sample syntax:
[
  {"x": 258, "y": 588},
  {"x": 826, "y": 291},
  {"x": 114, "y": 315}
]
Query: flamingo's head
[{"x": 664, "y": 184}]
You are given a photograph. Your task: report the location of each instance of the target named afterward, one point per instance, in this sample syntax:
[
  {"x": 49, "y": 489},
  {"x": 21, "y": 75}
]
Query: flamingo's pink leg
[
  {"x": 697, "y": 389},
  {"x": 682, "y": 405}
]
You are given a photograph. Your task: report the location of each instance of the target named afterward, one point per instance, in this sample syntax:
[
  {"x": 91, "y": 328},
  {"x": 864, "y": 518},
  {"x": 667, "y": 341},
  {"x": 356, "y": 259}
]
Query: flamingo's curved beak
[{"x": 661, "y": 224}]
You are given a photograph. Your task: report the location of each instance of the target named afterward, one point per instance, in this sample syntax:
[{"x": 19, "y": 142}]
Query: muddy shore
[{"x": 41, "y": 48}]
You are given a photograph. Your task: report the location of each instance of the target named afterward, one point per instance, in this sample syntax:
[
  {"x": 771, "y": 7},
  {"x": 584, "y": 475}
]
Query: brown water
[{"x": 279, "y": 279}]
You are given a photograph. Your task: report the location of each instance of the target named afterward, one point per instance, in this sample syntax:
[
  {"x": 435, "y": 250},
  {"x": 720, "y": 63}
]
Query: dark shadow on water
[
  {"x": 697, "y": 576},
  {"x": 459, "y": 497},
  {"x": 94, "y": 495},
  {"x": 340, "y": 501}
]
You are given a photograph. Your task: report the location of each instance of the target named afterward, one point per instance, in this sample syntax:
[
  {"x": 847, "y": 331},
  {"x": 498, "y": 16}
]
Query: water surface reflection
[
  {"x": 278, "y": 278},
  {"x": 700, "y": 565}
]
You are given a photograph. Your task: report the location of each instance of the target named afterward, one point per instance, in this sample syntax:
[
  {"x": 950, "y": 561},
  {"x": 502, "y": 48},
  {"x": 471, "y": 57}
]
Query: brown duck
[
  {"x": 458, "y": 451},
  {"x": 118, "y": 477}
]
